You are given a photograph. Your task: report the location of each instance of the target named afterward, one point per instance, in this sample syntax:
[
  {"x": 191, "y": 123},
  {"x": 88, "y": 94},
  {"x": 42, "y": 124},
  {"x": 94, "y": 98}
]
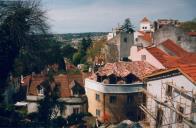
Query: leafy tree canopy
[
  {"x": 189, "y": 26},
  {"x": 20, "y": 23},
  {"x": 127, "y": 26}
]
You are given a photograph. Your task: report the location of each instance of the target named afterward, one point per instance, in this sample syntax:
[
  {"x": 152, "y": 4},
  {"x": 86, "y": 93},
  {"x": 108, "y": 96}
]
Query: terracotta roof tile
[
  {"x": 26, "y": 80},
  {"x": 147, "y": 36},
  {"x": 162, "y": 57},
  {"x": 64, "y": 85},
  {"x": 145, "y": 19},
  {"x": 172, "y": 61},
  {"x": 122, "y": 69},
  {"x": 173, "y": 48},
  {"x": 188, "y": 59},
  {"x": 63, "y": 80},
  {"x": 190, "y": 70},
  {"x": 34, "y": 82},
  {"x": 191, "y": 33}
]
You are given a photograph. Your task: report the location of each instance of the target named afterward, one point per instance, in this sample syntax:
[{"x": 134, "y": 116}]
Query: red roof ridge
[
  {"x": 191, "y": 33},
  {"x": 122, "y": 69},
  {"x": 174, "y": 48},
  {"x": 145, "y": 19}
]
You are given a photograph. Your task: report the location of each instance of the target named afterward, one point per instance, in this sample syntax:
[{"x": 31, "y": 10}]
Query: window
[
  {"x": 97, "y": 112},
  {"x": 113, "y": 99},
  {"x": 129, "y": 99},
  {"x": 75, "y": 93},
  {"x": 97, "y": 97},
  {"x": 143, "y": 57},
  {"x": 169, "y": 90},
  {"x": 76, "y": 110},
  {"x": 159, "y": 117},
  {"x": 125, "y": 40},
  {"x": 179, "y": 117},
  {"x": 179, "y": 38},
  {"x": 40, "y": 90}
]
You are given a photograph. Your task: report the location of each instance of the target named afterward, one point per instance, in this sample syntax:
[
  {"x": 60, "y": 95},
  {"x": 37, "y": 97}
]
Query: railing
[
  {"x": 113, "y": 88},
  {"x": 74, "y": 100},
  {"x": 34, "y": 98}
]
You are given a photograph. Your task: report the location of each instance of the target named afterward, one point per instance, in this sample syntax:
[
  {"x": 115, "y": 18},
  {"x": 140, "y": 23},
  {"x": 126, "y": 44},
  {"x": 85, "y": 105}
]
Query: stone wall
[
  {"x": 118, "y": 47},
  {"x": 126, "y": 41},
  {"x": 177, "y": 35}
]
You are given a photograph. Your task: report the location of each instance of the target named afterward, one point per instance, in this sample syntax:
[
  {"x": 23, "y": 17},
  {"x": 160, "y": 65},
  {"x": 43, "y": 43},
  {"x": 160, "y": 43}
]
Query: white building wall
[
  {"x": 69, "y": 109},
  {"x": 145, "y": 26},
  {"x": 136, "y": 34},
  {"x": 32, "y": 107},
  {"x": 155, "y": 87},
  {"x": 136, "y": 55},
  {"x": 110, "y": 35}
]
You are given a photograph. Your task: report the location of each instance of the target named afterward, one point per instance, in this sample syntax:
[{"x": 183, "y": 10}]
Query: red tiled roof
[
  {"x": 188, "y": 59},
  {"x": 162, "y": 57},
  {"x": 187, "y": 63},
  {"x": 26, "y": 80},
  {"x": 64, "y": 85},
  {"x": 181, "y": 56},
  {"x": 62, "y": 79},
  {"x": 147, "y": 36},
  {"x": 190, "y": 71},
  {"x": 122, "y": 69},
  {"x": 145, "y": 19},
  {"x": 173, "y": 48},
  {"x": 191, "y": 33},
  {"x": 34, "y": 82}
]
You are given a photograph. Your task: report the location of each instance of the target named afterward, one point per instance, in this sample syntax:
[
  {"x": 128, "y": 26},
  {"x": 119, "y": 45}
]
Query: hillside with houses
[{"x": 130, "y": 77}]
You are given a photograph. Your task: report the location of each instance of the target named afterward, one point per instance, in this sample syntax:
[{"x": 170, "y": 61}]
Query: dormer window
[
  {"x": 76, "y": 88},
  {"x": 40, "y": 90},
  {"x": 75, "y": 92}
]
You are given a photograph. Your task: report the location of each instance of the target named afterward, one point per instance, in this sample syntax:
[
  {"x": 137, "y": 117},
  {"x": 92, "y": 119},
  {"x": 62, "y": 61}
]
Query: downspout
[{"x": 104, "y": 106}]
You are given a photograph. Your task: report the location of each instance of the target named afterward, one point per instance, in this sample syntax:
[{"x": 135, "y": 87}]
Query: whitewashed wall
[
  {"x": 155, "y": 87},
  {"x": 145, "y": 24},
  {"x": 135, "y": 55},
  {"x": 32, "y": 107}
]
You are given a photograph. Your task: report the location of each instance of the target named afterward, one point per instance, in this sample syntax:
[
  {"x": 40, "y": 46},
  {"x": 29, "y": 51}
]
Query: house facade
[
  {"x": 113, "y": 92},
  {"x": 165, "y": 55},
  {"x": 171, "y": 98},
  {"x": 146, "y": 25},
  {"x": 143, "y": 54},
  {"x": 71, "y": 93}
]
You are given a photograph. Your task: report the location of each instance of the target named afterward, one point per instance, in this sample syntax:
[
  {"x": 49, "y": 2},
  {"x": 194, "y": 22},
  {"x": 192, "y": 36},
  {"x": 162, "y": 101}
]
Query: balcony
[
  {"x": 74, "y": 100},
  {"x": 113, "y": 88},
  {"x": 34, "y": 98}
]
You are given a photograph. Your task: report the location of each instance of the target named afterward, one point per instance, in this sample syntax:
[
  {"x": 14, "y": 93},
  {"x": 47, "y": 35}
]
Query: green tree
[
  {"x": 20, "y": 23},
  {"x": 50, "y": 106},
  {"x": 77, "y": 58},
  {"x": 95, "y": 50},
  {"x": 68, "y": 51},
  {"x": 189, "y": 26},
  {"x": 85, "y": 44},
  {"x": 127, "y": 26}
]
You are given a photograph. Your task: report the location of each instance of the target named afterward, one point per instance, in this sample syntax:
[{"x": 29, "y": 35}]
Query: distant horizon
[
  {"x": 77, "y": 33},
  {"x": 82, "y": 16}
]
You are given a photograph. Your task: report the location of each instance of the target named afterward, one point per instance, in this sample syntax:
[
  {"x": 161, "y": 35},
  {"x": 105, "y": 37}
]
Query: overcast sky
[{"x": 70, "y": 16}]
